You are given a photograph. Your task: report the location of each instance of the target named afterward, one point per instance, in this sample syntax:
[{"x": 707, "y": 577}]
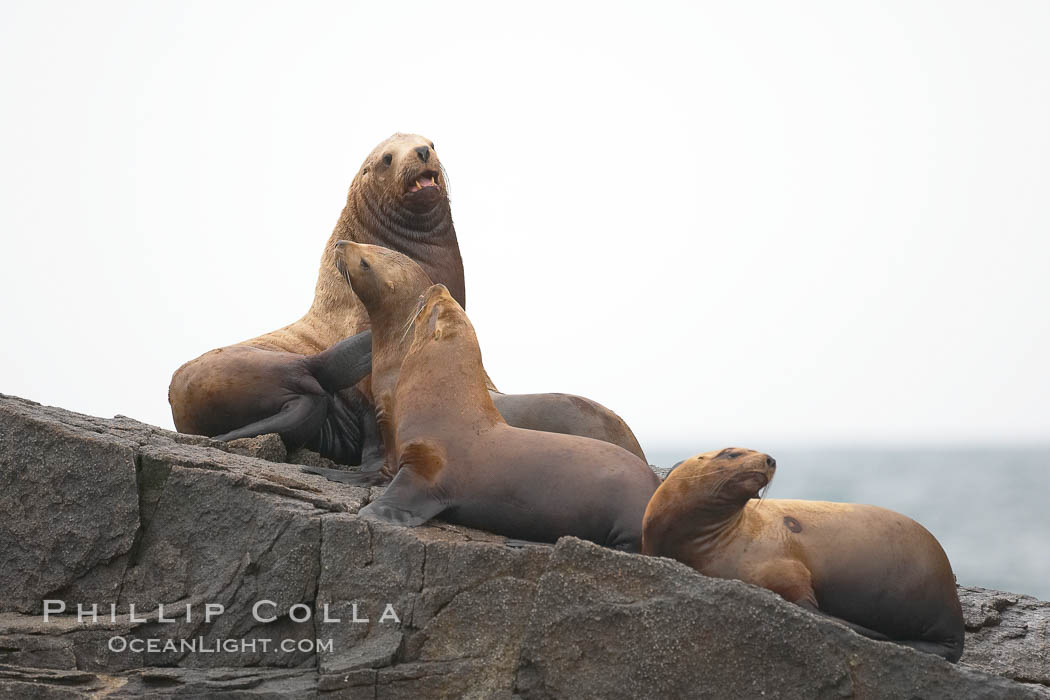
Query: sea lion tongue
[{"x": 422, "y": 182}]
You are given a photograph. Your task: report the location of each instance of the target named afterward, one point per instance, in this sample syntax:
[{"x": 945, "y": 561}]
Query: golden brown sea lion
[
  {"x": 399, "y": 200},
  {"x": 458, "y": 458},
  {"x": 881, "y": 573},
  {"x": 389, "y": 284}
]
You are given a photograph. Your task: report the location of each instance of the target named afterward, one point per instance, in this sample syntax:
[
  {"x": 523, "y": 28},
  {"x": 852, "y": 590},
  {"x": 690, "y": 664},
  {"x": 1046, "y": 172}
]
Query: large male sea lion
[
  {"x": 879, "y": 572},
  {"x": 458, "y": 458},
  {"x": 399, "y": 200},
  {"x": 390, "y": 284}
]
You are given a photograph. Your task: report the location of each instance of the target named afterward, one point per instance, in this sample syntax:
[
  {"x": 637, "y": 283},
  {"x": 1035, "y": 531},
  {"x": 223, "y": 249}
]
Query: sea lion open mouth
[{"x": 428, "y": 178}]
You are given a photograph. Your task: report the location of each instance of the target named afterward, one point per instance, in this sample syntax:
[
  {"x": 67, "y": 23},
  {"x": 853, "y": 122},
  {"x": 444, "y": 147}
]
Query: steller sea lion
[
  {"x": 880, "y": 573},
  {"x": 390, "y": 284},
  {"x": 399, "y": 200},
  {"x": 458, "y": 458}
]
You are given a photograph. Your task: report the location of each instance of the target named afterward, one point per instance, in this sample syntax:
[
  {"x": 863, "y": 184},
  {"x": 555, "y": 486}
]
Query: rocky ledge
[{"x": 117, "y": 513}]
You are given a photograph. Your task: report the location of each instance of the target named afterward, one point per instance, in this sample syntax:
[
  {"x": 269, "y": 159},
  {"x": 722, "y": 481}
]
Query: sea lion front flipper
[
  {"x": 411, "y": 500},
  {"x": 345, "y": 363},
  {"x": 295, "y": 422}
]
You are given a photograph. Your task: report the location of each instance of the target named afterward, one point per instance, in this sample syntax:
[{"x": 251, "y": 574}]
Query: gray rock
[
  {"x": 250, "y": 684},
  {"x": 44, "y": 684},
  {"x": 309, "y": 458},
  {"x": 247, "y": 683},
  {"x": 117, "y": 512},
  {"x": 463, "y": 599},
  {"x": 596, "y": 610},
  {"x": 1007, "y": 634},
  {"x": 70, "y": 510},
  {"x": 269, "y": 447},
  {"x": 661, "y": 472}
]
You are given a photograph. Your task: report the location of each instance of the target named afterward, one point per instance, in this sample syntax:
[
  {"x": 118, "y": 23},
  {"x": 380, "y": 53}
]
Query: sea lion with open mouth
[
  {"x": 880, "y": 573},
  {"x": 399, "y": 200}
]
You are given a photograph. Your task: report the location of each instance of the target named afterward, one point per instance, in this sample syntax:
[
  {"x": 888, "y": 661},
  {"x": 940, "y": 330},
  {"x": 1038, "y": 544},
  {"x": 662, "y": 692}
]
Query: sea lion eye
[
  {"x": 432, "y": 145},
  {"x": 364, "y": 264},
  {"x": 388, "y": 159}
]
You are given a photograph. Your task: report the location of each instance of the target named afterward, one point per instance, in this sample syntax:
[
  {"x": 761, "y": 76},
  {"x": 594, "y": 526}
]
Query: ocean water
[{"x": 989, "y": 507}]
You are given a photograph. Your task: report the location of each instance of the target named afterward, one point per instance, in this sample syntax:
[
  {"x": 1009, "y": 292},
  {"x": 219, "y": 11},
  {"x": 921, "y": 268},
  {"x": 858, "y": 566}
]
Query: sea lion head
[
  {"x": 701, "y": 492},
  {"x": 383, "y": 279},
  {"x": 439, "y": 319},
  {"x": 441, "y": 332},
  {"x": 728, "y": 477},
  {"x": 443, "y": 351},
  {"x": 403, "y": 174}
]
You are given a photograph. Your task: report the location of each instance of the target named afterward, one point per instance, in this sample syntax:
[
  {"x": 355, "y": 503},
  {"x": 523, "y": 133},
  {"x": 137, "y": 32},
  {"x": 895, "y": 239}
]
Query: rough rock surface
[
  {"x": 1007, "y": 634},
  {"x": 128, "y": 517}
]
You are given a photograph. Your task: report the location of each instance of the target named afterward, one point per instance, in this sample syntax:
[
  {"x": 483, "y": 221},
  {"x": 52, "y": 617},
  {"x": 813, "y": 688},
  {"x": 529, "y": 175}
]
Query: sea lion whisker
[
  {"x": 408, "y": 326},
  {"x": 749, "y": 472},
  {"x": 717, "y": 488},
  {"x": 708, "y": 473},
  {"x": 763, "y": 492}
]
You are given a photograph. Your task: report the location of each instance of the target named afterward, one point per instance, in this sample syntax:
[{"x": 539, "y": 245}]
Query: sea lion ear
[
  {"x": 442, "y": 323},
  {"x": 434, "y": 323}
]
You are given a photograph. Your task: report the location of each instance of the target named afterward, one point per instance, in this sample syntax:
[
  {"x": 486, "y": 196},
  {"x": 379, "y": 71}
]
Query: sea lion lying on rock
[
  {"x": 879, "y": 572},
  {"x": 458, "y": 458}
]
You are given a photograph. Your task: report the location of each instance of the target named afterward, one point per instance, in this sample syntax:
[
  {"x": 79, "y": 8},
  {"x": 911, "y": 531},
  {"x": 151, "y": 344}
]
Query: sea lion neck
[
  {"x": 692, "y": 527},
  {"x": 459, "y": 387},
  {"x": 445, "y": 381},
  {"x": 707, "y": 537},
  {"x": 391, "y": 320},
  {"x": 429, "y": 237},
  {"x": 712, "y": 516}
]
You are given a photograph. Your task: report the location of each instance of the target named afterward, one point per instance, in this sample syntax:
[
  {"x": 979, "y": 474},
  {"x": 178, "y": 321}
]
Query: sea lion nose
[
  {"x": 770, "y": 462},
  {"x": 424, "y": 153}
]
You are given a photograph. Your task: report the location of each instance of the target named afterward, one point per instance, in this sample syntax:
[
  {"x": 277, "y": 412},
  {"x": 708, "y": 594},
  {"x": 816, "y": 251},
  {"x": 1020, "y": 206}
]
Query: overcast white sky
[{"x": 729, "y": 222}]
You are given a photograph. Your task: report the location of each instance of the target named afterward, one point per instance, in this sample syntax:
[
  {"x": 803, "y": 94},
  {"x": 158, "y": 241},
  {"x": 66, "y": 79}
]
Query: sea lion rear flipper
[
  {"x": 345, "y": 363},
  {"x": 410, "y": 500},
  {"x": 295, "y": 422},
  {"x": 949, "y": 650}
]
